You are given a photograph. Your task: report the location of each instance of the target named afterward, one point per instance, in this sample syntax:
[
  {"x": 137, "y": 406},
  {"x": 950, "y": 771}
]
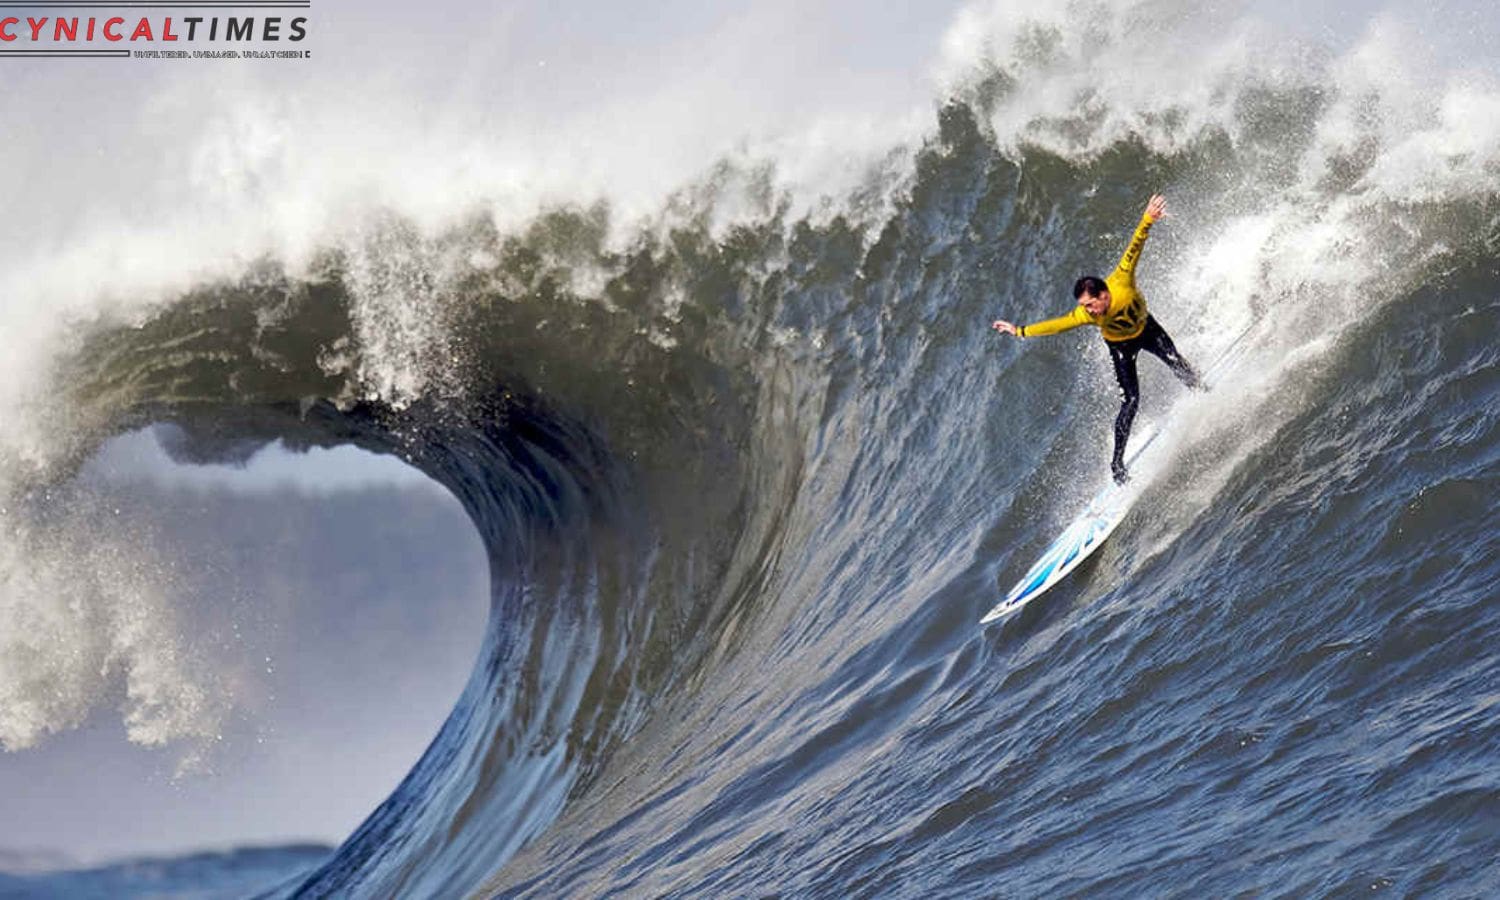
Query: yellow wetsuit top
[{"x": 1126, "y": 316}]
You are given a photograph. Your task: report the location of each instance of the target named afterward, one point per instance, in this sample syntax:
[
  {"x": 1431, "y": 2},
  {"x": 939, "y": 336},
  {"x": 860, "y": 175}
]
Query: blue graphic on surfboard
[{"x": 1098, "y": 520}]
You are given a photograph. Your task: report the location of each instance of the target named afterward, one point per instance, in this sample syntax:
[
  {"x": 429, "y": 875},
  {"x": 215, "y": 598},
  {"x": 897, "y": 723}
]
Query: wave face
[{"x": 748, "y": 477}]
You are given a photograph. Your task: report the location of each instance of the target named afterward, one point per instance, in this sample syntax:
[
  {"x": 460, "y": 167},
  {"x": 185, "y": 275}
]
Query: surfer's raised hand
[
  {"x": 1156, "y": 207},
  {"x": 1004, "y": 326}
]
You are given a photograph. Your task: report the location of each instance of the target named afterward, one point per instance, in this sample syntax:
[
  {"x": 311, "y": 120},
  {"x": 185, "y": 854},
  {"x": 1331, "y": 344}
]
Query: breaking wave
[{"x": 748, "y": 470}]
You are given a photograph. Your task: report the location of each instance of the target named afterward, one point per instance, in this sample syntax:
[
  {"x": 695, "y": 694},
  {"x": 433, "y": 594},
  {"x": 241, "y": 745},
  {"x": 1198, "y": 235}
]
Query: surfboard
[
  {"x": 1099, "y": 519},
  {"x": 1077, "y": 542}
]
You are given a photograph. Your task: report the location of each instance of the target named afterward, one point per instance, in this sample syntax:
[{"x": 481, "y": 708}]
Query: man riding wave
[{"x": 1119, "y": 310}]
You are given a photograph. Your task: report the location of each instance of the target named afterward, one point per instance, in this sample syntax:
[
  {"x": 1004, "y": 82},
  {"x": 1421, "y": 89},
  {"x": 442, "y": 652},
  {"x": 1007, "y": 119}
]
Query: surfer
[{"x": 1118, "y": 309}]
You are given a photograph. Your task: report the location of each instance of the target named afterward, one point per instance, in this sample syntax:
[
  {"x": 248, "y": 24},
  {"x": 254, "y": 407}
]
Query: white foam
[{"x": 87, "y": 617}]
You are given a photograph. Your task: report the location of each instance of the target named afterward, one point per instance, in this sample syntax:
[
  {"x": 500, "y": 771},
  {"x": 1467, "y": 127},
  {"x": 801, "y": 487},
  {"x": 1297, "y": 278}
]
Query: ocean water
[{"x": 749, "y": 469}]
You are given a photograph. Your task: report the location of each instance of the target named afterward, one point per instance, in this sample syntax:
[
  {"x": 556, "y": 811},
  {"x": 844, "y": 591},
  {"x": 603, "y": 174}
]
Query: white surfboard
[
  {"x": 1098, "y": 520},
  {"x": 1077, "y": 542}
]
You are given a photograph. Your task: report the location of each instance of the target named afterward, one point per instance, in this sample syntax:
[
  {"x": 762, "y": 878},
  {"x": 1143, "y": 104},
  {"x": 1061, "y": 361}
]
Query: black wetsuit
[{"x": 1154, "y": 340}]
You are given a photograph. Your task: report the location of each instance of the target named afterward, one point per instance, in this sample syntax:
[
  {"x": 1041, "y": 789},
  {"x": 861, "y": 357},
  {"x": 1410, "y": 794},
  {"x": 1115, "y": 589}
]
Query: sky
[{"x": 429, "y": 101}]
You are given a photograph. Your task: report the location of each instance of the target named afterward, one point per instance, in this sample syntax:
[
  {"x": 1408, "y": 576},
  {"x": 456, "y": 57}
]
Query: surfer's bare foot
[{"x": 1122, "y": 474}]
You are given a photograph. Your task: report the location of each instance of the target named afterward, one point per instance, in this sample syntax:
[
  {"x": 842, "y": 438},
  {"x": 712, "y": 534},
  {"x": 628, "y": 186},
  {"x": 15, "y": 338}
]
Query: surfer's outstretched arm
[
  {"x": 1079, "y": 316},
  {"x": 1155, "y": 209}
]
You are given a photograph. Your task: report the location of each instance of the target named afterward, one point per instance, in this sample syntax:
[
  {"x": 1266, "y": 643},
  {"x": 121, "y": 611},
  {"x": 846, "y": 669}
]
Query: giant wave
[{"x": 748, "y": 472}]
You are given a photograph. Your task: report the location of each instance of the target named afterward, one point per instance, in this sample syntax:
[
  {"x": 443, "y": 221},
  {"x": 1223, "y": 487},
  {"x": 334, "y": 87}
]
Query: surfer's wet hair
[{"x": 1092, "y": 285}]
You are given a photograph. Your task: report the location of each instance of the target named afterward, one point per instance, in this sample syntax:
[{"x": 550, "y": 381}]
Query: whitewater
[{"x": 748, "y": 465}]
